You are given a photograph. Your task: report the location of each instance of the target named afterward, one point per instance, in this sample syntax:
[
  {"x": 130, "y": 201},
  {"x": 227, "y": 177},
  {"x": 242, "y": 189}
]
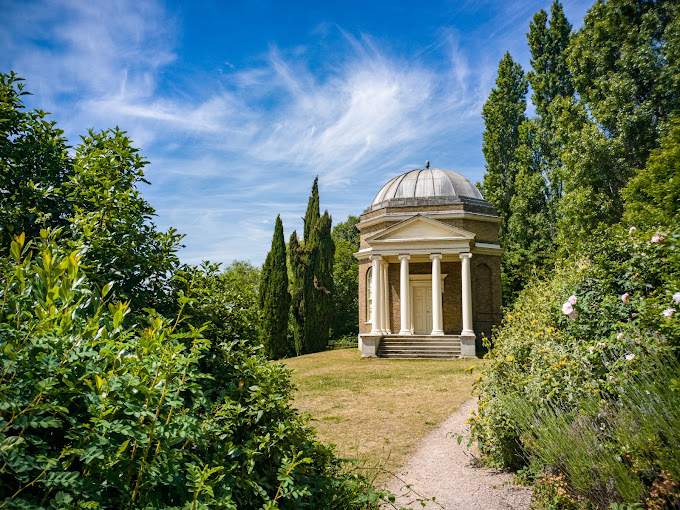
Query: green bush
[
  {"x": 551, "y": 376},
  {"x": 222, "y": 299},
  {"x": 95, "y": 413}
]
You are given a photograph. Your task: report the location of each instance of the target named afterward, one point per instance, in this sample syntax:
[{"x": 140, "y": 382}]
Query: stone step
[
  {"x": 420, "y": 353},
  {"x": 420, "y": 342},
  {"x": 420, "y": 349},
  {"x": 420, "y": 346},
  {"x": 420, "y": 356}
]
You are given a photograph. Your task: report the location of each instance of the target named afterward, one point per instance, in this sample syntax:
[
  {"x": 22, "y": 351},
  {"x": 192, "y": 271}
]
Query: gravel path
[{"x": 447, "y": 471}]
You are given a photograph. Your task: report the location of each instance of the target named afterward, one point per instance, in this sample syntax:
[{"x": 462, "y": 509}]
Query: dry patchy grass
[{"x": 378, "y": 409}]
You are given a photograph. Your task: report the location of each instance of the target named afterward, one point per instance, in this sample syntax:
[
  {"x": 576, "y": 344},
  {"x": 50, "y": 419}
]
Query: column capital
[
  {"x": 465, "y": 255},
  {"x": 435, "y": 256},
  {"x": 404, "y": 256},
  {"x": 374, "y": 257}
]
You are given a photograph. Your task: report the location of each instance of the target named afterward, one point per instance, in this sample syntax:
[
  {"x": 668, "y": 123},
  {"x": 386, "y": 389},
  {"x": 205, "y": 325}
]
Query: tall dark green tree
[
  {"x": 503, "y": 113},
  {"x": 550, "y": 76},
  {"x": 529, "y": 238},
  {"x": 313, "y": 213},
  {"x": 297, "y": 259},
  {"x": 312, "y": 269},
  {"x": 274, "y": 297},
  {"x": 323, "y": 280},
  {"x": 550, "y": 79}
]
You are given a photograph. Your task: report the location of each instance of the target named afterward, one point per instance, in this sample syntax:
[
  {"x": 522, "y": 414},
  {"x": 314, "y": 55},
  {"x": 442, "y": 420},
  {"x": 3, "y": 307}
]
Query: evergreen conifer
[
  {"x": 275, "y": 297},
  {"x": 312, "y": 270}
]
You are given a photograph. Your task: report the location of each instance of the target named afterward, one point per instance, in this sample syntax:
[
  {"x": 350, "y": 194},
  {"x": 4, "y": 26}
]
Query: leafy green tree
[
  {"x": 652, "y": 197},
  {"x": 224, "y": 301},
  {"x": 34, "y": 165},
  {"x": 274, "y": 297},
  {"x": 550, "y": 79},
  {"x": 529, "y": 240},
  {"x": 93, "y": 197},
  {"x": 312, "y": 269},
  {"x": 503, "y": 113},
  {"x": 550, "y": 76},
  {"x": 112, "y": 222},
  {"x": 626, "y": 70},
  {"x": 346, "y": 278}
]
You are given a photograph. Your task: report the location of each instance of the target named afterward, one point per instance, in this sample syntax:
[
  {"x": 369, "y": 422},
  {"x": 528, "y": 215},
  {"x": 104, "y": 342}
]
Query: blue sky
[{"x": 239, "y": 104}]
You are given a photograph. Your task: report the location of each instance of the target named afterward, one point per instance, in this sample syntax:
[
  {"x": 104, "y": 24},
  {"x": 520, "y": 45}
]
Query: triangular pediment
[{"x": 420, "y": 229}]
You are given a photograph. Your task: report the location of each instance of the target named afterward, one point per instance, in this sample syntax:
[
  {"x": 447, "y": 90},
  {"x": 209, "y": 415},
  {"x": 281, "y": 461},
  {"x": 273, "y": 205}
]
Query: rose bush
[{"x": 569, "y": 349}]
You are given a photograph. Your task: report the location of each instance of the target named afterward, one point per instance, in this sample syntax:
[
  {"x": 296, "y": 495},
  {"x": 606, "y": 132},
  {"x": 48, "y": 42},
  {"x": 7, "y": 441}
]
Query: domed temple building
[{"x": 429, "y": 267}]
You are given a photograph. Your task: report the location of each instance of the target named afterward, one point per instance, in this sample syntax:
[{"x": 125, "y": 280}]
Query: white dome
[{"x": 427, "y": 183}]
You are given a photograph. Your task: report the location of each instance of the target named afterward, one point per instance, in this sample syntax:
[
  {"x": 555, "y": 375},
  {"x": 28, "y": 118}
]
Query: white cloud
[{"x": 234, "y": 146}]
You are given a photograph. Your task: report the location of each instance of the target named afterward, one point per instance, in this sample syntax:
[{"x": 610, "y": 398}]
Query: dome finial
[{"x": 427, "y": 164}]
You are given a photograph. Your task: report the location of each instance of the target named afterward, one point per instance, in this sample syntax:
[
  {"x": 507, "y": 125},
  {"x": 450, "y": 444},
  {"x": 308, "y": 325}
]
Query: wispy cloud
[{"x": 233, "y": 146}]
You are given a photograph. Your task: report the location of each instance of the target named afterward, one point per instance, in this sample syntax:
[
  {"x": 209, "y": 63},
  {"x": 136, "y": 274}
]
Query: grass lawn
[{"x": 378, "y": 409}]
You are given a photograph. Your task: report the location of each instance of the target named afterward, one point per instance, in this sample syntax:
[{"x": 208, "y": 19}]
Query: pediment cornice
[{"x": 420, "y": 229}]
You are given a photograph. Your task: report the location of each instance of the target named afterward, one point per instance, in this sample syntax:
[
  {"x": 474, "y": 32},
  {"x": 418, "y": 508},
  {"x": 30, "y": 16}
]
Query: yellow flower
[{"x": 511, "y": 358}]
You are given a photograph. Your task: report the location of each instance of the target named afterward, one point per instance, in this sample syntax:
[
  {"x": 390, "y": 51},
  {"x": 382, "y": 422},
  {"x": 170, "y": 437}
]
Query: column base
[
  {"x": 467, "y": 344},
  {"x": 369, "y": 345},
  {"x": 405, "y": 332},
  {"x": 437, "y": 332}
]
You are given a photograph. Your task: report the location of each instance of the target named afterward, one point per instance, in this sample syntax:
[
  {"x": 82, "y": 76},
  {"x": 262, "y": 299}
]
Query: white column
[
  {"x": 404, "y": 295},
  {"x": 466, "y": 294},
  {"x": 437, "y": 294},
  {"x": 386, "y": 299},
  {"x": 376, "y": 292}
]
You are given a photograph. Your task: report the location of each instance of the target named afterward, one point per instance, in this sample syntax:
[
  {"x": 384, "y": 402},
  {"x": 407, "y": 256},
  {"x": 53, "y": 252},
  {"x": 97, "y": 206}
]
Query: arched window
[{"x": 369, "y": 294}]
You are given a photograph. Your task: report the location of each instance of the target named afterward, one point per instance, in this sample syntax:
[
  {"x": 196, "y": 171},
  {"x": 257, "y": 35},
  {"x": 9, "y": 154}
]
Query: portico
[{"x": 419, "y": 267}]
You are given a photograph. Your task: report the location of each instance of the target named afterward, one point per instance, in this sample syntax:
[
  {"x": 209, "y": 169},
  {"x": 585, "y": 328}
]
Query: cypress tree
[
  {"x": 275, "y": 297},
  {"x": 312, "y": 270},
  {"x": 312, "y": 215},
  {"x": 296, "y": 257},
  {"x": 323, "y": 279}
]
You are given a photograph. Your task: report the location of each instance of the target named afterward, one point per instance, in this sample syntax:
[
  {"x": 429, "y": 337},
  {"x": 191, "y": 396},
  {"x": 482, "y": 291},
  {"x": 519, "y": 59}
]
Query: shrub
[
  {"x": 563, "y": 371},
  {"x": 222, "y": 299},
  {"x": 95, "y": 413}
]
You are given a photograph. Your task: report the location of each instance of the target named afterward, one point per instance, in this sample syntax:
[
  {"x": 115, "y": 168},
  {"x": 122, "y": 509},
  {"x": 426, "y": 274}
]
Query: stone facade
[{"x": 455, "y": 237}]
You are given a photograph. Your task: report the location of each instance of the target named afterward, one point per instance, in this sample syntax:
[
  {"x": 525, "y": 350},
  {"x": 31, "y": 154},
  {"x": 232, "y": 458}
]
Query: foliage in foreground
[
  {"x": 95, "y": 413},
  {"x": 560, "y": 391},
  {"x": 92, "y": 196}
]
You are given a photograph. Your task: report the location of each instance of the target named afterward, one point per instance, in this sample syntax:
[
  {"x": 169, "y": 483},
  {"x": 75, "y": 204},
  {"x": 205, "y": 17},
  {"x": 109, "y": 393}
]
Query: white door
[{"x": 422, "y": 310}]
